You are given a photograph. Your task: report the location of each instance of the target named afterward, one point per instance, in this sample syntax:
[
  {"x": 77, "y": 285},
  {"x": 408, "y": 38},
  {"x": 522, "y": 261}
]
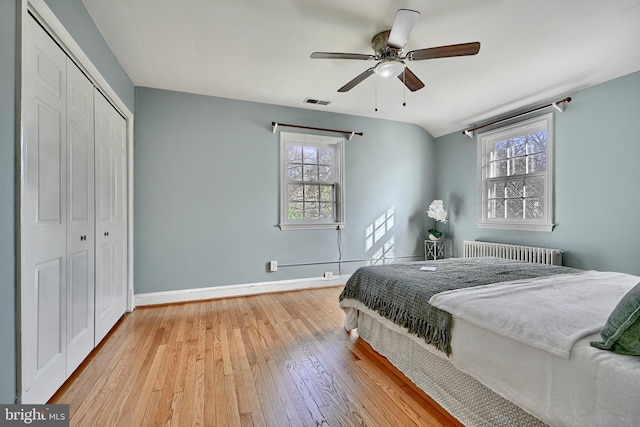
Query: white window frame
[
  {"x": 338, "y": 144},
  {"x": 485, "y": 143}
]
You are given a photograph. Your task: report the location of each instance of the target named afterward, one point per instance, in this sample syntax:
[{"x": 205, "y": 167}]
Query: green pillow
[{"x": 621, "y": 334}]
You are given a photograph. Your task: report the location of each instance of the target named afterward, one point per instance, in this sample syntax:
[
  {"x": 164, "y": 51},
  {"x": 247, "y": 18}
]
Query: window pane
[
  {"x": 496, "y": 208},
  {"x": 312, "y": 193},
  {"x": 517, "y": 146},
  {"x": 294, "y": 154},
  {"x": 517, "y": 166},
  {"x": 294, "y": 172},
  {"x": 311, "y": 210},
  {"x": 500, "y": 150},
  {"x": 537, "y": 163},
  {"x": 325, "y": 156},
  {"x": 296, "y": 211},
  {"x": 515, "y": 188},
  {"x": 326, "y": 193},
  {"x": 295, "y": 193},
  {"x": 326, "y": 211},
  {"x": 310, "y": 173},
  {"x": 325, "y": 174},
  {"x": 498, "y": 169},
  {"x": 537, "y": 142},
  {"x": 534, "y": 187},
  {"x": 534, "y": 208},
  {"x": 310, "y": 154},
  {"x": 496, "y": 191},
  {"x": 514, "y": 208}
]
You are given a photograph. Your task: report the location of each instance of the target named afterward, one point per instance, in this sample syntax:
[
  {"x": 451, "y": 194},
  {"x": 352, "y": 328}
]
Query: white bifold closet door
[
  {"x": 57, "y": 217},
  {"x": 111, "y": 216},
  {"x": 73, "y": 216}
]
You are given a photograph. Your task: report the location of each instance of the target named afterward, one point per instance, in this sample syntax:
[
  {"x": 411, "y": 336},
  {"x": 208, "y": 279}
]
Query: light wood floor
[{"x": 268, "y": 360}]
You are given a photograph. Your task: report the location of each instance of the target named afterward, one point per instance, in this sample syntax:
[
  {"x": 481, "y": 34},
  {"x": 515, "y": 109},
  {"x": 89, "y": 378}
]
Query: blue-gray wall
[
  {"x": 206, "y": 191},
  {"x": 7, "y": 201},
  {"x": 76, "y": 19},
  {"x": 597, "y": 202}
]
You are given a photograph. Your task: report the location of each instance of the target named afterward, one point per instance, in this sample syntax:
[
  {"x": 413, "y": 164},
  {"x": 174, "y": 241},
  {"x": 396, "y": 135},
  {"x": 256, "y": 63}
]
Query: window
[
  {"x": 312, "y": 177},
  {"x": 515, "y": 176}
]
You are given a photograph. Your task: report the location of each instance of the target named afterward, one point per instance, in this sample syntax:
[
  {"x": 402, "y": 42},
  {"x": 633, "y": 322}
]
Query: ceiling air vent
[{"x": 316, "y": 101}]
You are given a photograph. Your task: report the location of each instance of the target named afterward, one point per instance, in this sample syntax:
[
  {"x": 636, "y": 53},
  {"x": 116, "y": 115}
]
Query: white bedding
[{"x": 549, "y": 313}]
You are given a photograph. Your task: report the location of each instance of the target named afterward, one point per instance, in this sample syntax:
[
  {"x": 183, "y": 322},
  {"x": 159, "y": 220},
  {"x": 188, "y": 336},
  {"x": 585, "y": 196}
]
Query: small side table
[{"x": 434, "y": 249}]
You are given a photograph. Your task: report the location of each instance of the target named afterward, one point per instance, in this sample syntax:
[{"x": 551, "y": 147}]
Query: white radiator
[{"x": 516, "y": 252}]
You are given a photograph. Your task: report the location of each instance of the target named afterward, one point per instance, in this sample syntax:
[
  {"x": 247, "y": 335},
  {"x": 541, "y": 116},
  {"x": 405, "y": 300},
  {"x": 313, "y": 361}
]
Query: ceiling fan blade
[
  {"x": 463, "y": 49},
  {"x": 410, "y": 80},
  {"x": 338, "y": 55},
  {"x": 355, "y": 81},
  {"x": 403, "y": 23}
]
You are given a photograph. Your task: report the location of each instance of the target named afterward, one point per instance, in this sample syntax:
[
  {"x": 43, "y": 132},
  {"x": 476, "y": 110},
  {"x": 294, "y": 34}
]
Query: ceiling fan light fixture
[{"x": 389, "y": 69}]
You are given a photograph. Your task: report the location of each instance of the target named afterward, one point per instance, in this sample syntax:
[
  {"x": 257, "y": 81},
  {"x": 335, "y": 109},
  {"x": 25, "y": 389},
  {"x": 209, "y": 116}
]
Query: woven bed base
[{"x": 470, "y": 402}]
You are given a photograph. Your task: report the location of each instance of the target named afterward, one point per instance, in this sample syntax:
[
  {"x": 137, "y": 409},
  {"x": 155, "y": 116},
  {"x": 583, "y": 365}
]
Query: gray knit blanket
[{"x": 401, "y": 292}]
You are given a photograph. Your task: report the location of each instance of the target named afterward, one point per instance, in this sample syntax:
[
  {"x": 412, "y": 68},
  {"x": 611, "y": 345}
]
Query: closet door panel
[
  {"x": 111, "y": 221},
  {"x": 43, "y": 220},
  {"x": 46, "y": 158},
  {"x": 48, "y": 288},
  {"x": 80, "y": 218}
]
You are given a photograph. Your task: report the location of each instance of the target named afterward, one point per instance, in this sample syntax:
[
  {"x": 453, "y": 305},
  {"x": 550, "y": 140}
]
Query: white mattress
[{"x": 592, "y": 388}]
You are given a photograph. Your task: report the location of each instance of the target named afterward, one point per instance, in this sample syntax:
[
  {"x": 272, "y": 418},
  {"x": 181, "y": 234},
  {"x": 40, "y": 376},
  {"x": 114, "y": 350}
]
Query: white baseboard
[{"x": 199, "y": 294}]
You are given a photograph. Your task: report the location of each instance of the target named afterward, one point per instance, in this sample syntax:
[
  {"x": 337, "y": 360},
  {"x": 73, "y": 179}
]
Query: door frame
[{"x": 63, "y": 38}]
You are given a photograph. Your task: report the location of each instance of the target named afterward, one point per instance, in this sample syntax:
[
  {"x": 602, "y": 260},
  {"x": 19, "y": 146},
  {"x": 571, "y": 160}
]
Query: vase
[{"x": 432, "y": 237}]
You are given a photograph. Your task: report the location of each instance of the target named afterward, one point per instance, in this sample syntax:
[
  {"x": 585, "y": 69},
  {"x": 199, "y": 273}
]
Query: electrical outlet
[
  {"x": 273, "y": 266},
  {"x": 328, "y": 274}
]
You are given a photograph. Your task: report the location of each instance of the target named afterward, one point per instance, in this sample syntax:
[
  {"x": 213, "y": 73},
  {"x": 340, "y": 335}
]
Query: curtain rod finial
[{"x": 469, "y": 133}]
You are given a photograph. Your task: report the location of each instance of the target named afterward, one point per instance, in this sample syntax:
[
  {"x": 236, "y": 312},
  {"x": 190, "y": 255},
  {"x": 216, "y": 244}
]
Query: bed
[{"x": 501, "y": 342}]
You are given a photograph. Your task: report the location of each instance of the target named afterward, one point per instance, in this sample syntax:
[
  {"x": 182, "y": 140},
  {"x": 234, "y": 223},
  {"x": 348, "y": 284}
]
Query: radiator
[{"x": 516, "y": 252}]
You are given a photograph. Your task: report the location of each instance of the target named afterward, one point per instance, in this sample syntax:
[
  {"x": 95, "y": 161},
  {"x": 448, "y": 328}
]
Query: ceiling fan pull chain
[
  {"x": 375, "y": 92},
  {"x": 404, "y": 87}
]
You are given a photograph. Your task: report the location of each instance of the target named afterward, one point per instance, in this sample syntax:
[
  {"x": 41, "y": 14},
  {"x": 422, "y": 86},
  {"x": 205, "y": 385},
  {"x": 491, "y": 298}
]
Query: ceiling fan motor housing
[{"x": 379, "y": 44}]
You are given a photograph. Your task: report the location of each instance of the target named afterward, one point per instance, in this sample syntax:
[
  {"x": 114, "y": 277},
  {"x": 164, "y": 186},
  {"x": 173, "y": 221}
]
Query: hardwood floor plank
[
  {"x": 280, "y": 359},
  {"x": 248, "y": 399},
  {"x": 173, "y": 370},
  {"x": 144, "y": 397}
]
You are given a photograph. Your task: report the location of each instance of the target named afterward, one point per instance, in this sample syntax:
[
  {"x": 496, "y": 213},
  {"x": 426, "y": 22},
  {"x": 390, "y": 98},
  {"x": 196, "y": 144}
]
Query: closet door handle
[{"x": 106, "y": 233}]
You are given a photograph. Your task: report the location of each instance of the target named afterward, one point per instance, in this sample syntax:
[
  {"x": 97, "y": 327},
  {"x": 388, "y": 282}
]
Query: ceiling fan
[{"x": 388, "y": 45}]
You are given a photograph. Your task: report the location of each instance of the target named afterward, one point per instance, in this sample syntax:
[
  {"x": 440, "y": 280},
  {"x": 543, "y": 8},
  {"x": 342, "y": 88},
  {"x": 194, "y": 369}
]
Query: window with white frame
[
  {"x": 515, "y": 176},
  {"x": 312, "y": 181}
]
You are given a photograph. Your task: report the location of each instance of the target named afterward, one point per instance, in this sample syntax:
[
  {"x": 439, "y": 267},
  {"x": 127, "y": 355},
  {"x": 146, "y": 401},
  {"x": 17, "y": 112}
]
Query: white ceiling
[{"x": 257, "y": 50}]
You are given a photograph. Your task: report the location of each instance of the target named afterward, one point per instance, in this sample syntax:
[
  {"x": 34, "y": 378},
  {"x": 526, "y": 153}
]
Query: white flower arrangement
[{"x": 438, "y": 213}]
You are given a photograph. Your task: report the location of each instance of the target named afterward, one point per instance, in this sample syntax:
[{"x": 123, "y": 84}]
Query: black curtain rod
[
  {"x": 347, "y": 132},
  {"x": 557, "y": 104}
]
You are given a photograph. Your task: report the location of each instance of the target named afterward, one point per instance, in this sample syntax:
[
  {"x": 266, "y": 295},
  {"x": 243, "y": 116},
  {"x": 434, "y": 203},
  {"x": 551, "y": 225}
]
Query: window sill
[
  {"x": 332, "y": 226},
  {"x": 516, "y": 226}
]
